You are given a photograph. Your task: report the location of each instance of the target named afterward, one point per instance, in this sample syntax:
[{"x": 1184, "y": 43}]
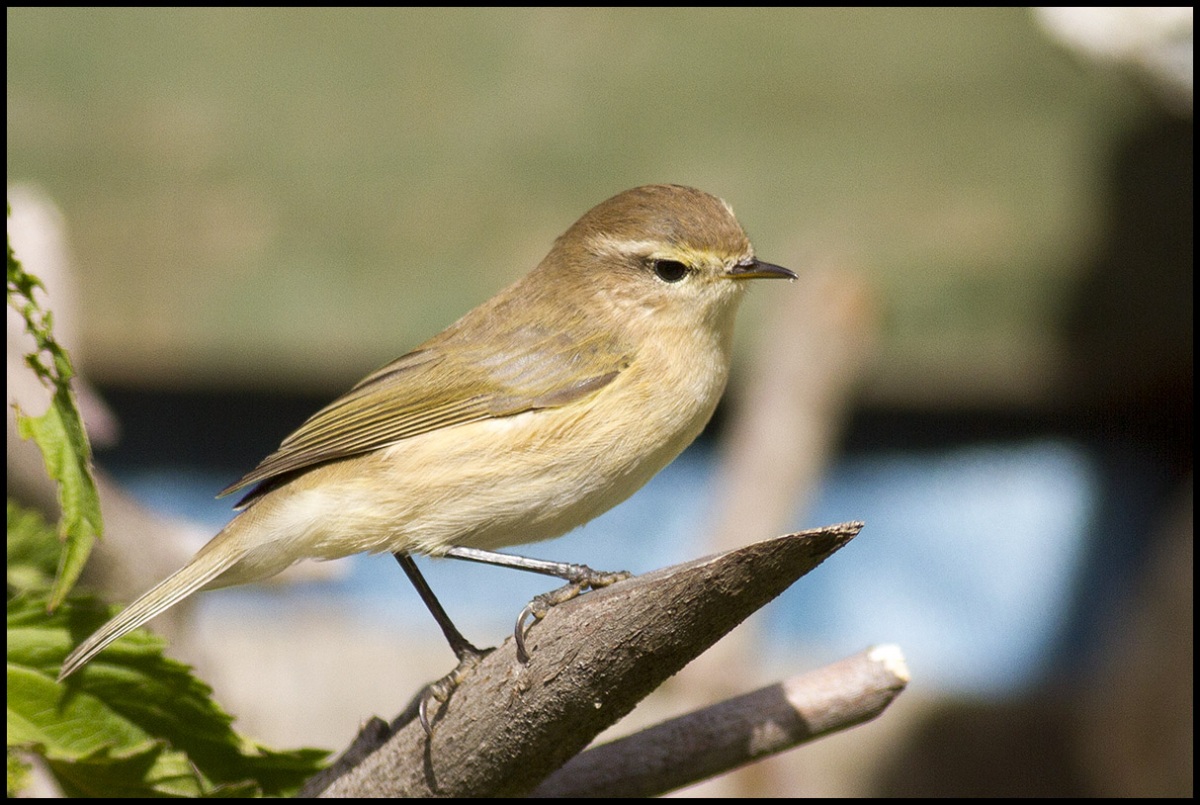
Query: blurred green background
[{"x": 284, "y": 199}]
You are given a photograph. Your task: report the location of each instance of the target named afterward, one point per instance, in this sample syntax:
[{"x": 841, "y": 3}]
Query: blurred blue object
[{"x": 968, "y": 561}]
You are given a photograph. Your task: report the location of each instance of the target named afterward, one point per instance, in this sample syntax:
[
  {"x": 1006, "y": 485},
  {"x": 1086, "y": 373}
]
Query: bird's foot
[
  {"x": 441, "y": 690},
  {"x": 582, "y": 578}
]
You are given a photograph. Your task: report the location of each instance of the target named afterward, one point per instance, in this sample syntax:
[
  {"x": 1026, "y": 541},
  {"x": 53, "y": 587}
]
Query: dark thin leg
[
  {"x": 466, "y": 652},
  {"x": 578, "y": 578},
  {"x": 458, "y": 644}
]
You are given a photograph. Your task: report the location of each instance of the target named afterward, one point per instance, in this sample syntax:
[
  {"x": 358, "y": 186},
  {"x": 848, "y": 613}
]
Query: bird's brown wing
[{"x": 448, "y": 381}]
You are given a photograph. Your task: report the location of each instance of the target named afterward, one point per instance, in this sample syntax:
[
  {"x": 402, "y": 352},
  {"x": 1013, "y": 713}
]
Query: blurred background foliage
[{"x": 281, "y": 199}]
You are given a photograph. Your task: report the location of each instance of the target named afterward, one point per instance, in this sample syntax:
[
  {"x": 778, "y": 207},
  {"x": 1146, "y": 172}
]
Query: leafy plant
[
  {"x": 59, "y": 433},
  {"x": 134, "y": 722}
]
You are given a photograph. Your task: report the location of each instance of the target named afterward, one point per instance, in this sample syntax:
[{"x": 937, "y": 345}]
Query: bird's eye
[{"x": 670, "y": 270}]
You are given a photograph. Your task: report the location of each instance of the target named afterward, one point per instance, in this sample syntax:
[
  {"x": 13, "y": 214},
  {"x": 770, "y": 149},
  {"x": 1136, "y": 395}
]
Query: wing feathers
[{"x": 438, "y": 386}]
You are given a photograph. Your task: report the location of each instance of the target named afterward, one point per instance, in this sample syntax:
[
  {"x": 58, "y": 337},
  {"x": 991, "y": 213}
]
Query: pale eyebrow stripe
[
  {"x": 616, "y": 247},
  {"x": 654, "y": 249}
]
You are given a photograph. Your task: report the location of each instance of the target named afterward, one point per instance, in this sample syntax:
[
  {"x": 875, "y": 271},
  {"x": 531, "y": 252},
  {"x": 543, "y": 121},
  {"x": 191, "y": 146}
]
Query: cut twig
[{"x": 714, "y": 740}]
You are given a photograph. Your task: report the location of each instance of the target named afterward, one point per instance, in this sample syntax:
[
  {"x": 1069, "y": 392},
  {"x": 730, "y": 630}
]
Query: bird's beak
[{"x": 757, "y": 269}]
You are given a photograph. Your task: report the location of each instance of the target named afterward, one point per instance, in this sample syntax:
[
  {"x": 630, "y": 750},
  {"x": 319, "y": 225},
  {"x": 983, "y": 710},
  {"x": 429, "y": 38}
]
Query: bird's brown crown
[{"x": 672, "y": 217}]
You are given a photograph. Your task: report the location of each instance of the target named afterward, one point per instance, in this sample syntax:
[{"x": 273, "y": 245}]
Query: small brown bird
[{"x": 538, "y": 410}]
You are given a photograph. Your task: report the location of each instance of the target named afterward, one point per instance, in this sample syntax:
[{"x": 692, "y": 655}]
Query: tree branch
[
  {"x": 716, "y": 739},
  {"x": 510, "y": 725}
]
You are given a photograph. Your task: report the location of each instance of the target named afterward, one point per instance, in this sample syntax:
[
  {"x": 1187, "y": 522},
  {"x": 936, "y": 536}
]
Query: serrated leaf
[
  {"x": 152, "y": 771},
  {"x": 131, "y": 721},
  {"x": 59, "y": 434}
]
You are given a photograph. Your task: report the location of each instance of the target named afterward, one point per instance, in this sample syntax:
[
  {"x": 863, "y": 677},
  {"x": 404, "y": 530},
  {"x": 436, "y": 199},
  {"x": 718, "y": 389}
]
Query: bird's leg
[
  {"x": 468, "y": 655},
  {"x": 578, "y": 578}
]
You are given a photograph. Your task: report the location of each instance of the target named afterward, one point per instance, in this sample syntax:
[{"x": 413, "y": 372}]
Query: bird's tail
[{"x": 202, "y": 569}]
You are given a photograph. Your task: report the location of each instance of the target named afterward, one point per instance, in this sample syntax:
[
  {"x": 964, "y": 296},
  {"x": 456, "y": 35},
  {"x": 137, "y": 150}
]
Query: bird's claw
[
  {"x": 441, "y": 690},
  {"x": 584, "y": 579}
]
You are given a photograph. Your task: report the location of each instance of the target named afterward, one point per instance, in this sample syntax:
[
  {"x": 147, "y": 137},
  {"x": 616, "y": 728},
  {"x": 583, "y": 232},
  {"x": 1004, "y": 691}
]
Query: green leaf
[
  {"x": 32, "y": 550},
  {"x": 133, "y": 722},
  {"x": 59, "y": 433}
]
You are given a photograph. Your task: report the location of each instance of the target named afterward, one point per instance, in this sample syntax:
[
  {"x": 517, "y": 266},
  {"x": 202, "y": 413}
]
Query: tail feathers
[{"x": 205, "y": 567}]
